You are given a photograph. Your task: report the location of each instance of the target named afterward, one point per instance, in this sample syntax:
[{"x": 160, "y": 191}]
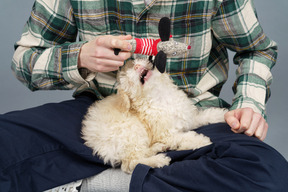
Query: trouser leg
[
  {"x": 41, "y": 147},
  {"x": 234, "y": 162}
]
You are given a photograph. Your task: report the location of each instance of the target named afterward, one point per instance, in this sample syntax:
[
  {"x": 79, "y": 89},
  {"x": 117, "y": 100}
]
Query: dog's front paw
[
  {"x": 193, "y": 140},
  {"x": 159, "y": 161},
  {"x": 159, "y": 147},
  {"x": 219, "y": 115},
  {"x": 203, "y": 141},
  {"x": 156, "y": 161}
]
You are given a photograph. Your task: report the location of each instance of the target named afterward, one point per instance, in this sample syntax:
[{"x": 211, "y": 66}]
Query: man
[{"x": 44, "y": 143}]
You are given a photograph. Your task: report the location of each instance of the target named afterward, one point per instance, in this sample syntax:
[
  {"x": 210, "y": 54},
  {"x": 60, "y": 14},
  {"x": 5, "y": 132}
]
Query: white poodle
[{"x": 148, "y": 115}]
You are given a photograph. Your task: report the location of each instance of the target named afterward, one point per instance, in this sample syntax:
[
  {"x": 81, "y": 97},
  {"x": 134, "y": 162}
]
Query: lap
[
  {"x": 232, "y": 160},
  {"x": 44, "y": 126},
  {"x": 41, "y": 147}
]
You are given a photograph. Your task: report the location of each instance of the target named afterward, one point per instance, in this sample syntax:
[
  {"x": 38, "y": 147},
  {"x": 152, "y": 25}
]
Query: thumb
[{"x": 231, "y": 120}]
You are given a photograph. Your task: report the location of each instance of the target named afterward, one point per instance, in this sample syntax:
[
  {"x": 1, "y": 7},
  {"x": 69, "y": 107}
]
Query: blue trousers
[{"x": 41, "y": 148}]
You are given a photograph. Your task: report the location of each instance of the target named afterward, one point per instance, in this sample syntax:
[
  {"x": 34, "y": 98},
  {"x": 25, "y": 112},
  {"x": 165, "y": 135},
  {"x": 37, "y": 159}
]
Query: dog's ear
[{"x": 124, "y": 101}]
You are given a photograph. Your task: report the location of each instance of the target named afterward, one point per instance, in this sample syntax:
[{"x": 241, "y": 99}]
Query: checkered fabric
[{"x": 46, "y": 55}]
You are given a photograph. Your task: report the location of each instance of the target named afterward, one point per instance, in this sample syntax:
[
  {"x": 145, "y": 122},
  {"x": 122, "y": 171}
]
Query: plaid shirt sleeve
[
  {"x": 237, "y": 27},
  {"x": 47, "y": 53},
  {"x": 46, "y": 56}
]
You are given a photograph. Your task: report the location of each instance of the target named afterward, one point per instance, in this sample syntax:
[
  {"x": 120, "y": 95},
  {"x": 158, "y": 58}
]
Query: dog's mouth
[{"x": 144, "y": 73}]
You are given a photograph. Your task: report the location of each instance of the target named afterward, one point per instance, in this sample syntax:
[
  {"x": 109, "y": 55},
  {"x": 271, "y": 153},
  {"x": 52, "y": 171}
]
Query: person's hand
[
  {"x": 247, "y": 121},
  {"x": 98, "y": 55}
]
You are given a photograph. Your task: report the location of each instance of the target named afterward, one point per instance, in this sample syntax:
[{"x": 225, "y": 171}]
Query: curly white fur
[{"x": 144, "y": 118}]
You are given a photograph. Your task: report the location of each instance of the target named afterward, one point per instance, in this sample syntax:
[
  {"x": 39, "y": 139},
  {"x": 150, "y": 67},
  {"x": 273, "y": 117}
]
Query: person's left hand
[{"x": 247, "y": 121}]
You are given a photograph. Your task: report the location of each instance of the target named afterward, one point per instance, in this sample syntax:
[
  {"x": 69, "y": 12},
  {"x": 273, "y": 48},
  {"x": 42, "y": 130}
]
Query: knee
[
  {"x": 256, "y": 165},
  {"x": 275, "y": 170}
]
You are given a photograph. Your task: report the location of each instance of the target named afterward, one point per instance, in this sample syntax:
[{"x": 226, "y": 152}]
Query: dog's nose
[
  {"x": 139, "y": 69},
  {"x": 137, "y": 66}
]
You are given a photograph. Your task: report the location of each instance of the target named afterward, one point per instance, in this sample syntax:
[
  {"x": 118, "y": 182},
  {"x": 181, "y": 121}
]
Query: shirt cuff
[
  {"x": 69, "y": 58},
  {"x": 248, "y": 103},
  {"x": 252, "y": 86}
]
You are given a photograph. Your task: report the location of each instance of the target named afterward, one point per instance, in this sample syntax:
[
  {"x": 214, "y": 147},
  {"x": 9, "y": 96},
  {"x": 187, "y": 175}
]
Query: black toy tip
[
  {"x": 164, "y": 28},
  {"x": 160, "y": 61},
  {"x": 117, "y": 51}
]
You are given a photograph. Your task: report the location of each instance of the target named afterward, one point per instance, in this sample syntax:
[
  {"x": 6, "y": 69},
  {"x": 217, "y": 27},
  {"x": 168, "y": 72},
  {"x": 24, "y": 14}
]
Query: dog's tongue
[
  {"x": 148, "y": 75},
  {"x": 144, "y": 73}
]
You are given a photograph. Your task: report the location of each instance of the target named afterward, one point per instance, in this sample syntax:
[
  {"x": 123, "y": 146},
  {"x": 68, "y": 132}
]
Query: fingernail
[
  {"x": 129, "y": 47},
  {"x": 234, "y": 125}
]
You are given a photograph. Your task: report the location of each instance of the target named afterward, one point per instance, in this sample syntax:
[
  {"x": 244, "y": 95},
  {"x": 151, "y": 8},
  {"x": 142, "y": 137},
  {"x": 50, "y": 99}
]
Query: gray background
[{"x": 272, "y": 15}]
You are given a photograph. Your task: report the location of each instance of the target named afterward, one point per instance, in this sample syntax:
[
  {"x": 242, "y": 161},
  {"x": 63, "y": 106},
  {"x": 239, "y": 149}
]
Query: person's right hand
[{"x": 98, "y": 55}]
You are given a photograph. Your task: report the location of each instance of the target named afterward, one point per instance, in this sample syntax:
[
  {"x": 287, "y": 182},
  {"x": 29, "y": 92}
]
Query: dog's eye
[{"x": 175, "y": 53}]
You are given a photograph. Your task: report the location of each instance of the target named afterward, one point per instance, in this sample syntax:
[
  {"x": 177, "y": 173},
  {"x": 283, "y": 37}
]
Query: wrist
[
  {"x": 80, "y": 62},
  {"x": 243, "y": 102}
]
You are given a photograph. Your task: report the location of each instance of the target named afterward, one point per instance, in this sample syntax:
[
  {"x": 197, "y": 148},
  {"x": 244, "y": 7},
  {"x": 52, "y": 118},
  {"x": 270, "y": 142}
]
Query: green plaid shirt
[{"x": 46, "y": 55}]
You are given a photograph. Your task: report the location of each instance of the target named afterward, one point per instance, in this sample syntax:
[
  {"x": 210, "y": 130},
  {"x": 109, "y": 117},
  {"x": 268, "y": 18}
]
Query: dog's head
[{"x": 138, "y": 77}]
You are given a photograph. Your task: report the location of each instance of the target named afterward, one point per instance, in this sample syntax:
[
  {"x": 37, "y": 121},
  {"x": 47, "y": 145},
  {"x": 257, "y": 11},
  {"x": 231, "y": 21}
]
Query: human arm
[
  {"x": 237, "y": 27},
  {"x": 47, "y": 55}
]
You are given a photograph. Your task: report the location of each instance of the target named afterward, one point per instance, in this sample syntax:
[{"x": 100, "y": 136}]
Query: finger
[
  {"x": 232, "y": 121},
  {"x": 105, "y": 69},
  {"x": 122, "y": 37},
  {"x": 122, "y": 56},
  {"x": 256, "y": 119},
  {"x": 245, "y": 119},
  {"x": 106, "y": 53},
  {"x": 111, "y": 42},
  {"x": 105, "y": 65},
  {"x": 261, "y": 130},
  {"x": 264, "y": 132}
]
